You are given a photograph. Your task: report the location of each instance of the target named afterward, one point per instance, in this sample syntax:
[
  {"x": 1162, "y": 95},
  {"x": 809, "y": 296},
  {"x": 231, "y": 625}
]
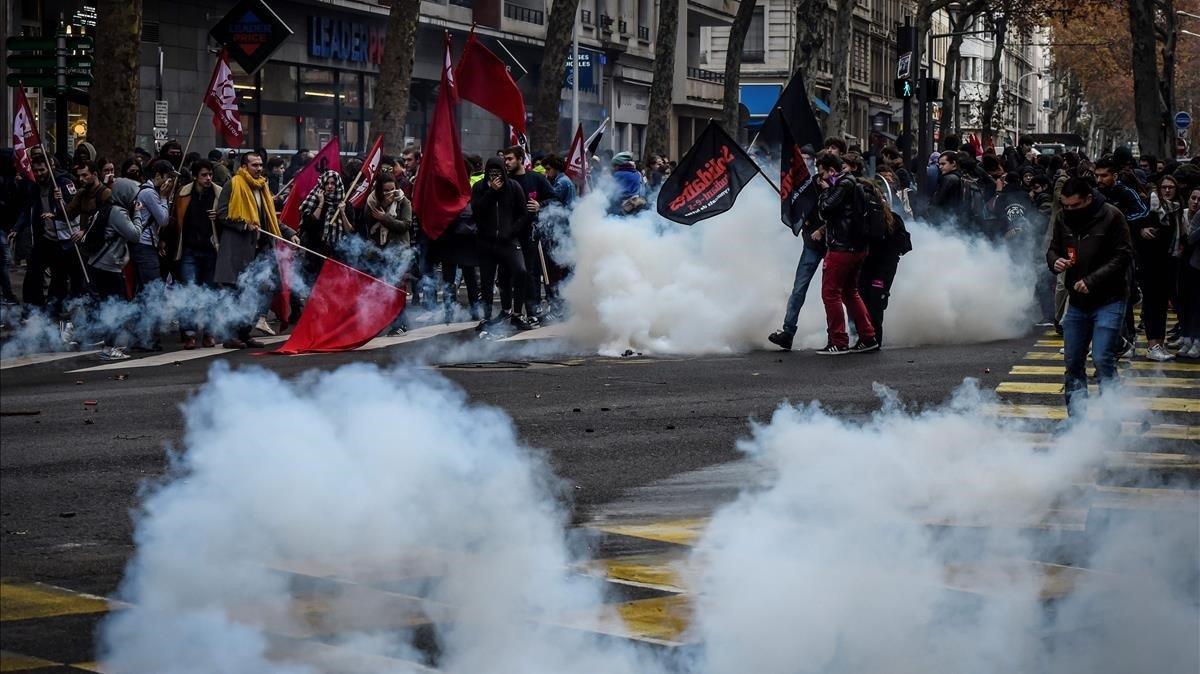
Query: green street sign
[
  {"x": 47, "y": 81},
  {"x": 23, "y": 62},
  {"x": 43, "y": 44}
]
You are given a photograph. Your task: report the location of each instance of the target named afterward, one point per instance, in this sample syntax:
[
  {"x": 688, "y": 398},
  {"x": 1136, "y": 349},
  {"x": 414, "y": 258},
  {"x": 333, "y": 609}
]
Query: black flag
[
  {"x": 791, "y": 126},
  {"x": 708, "y": 178}
]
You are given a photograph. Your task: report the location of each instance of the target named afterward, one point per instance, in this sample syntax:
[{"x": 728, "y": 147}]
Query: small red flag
[
  {"x": 577, "y": 164},
  {"x": 25, "y": 133},
  {"x": 370, "y": 169},
  {"x": 221, "y": 98},
  {"x": 328, "y": 159},
  {"x": 484, "y": 80},
  {"x": 443, "y": 188},
  {"x": 347, "y": 309}
]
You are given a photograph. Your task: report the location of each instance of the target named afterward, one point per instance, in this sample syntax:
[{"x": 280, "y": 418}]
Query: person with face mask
[
  {"x": 322, "y": 220},
  {"x": 500, "y": 209},
  {"x": 1090, "y": 246},
  {"x": 120, "y": 232}
]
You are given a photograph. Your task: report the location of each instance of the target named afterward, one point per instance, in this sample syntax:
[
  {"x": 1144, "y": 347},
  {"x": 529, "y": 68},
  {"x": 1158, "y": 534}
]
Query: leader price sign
[{"x": 251, "y": 32}]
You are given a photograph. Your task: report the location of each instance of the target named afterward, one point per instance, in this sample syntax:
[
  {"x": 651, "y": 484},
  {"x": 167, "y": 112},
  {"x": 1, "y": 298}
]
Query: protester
[
  {"x": 499, "y": 205},
  {"x": 120, "y": 231},
  {"x": 1120, "y": 193},
  {"x": 883, "y": 258},
  {"x": 1189, "y": 279},
  {"x": 43, "y": 221},
  {"x": 656, "y": 172},
  {"x": 154, "y": 195},
  {"x": 630, "y": 190},
  {"x": 945, "y": 204},
  {"x": 220, "y": 170},
  {"x": 806, "y": 268},
  {"x": 245, "y": 207},
  {"x": 323, "y": 220},
  {"x": 1091, "y": 246},
  {"x": 91, "y": 195},
  {"x": 845, "y": 235},
  {"x": 195, "y": 218},
  {"x": 457, "y": 248},
  {"x": 538, "y": 192},
  {"x": 10, "y": 208},
  {"x": 556, "y": 228}
]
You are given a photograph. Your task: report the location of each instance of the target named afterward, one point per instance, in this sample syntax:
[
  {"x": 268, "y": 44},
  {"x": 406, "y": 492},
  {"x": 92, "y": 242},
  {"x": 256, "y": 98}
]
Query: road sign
[
  {"x": 75, "y": 43},
  {"x": 47, "y": 81},
  {"x": 903, "y": 65},
  {"x": 160, "y": 113},
  {"x": 1183, "y": 120},
  {"x": 251, "y": 32},
  {"x": 160, "y": 134}
]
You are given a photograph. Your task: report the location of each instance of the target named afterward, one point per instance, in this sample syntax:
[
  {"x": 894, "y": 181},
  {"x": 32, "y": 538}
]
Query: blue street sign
[{"x": 1182, "y": 120}]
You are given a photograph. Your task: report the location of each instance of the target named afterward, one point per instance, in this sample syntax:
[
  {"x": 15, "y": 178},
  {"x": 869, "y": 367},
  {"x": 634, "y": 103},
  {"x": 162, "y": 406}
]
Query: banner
[
  {"x": 790, "y": 127},
  {"x": 442, "y": 189},
  {"x": 346, "y": 309},
  {"x": 707, "y": 180},
  {"x": 25, "y": 133},
  {"x": 221, "y": 98},
  {"x": 577, "y": 162},
  {"x": 370, "y": 170},
  {"x": 484, "y": 79}
]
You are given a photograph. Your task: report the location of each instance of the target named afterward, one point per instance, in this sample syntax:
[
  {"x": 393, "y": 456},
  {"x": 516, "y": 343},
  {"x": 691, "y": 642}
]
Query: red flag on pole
[
  {"x": 370, "y": 169},
  {"x": 221, "y": 98},
  {"x": 25, "y": 134},
  {"x": 328, "y": 159},
  {"x": 347, "y": 309},
  {"x": 577, "y": 164},
  {"x": 484, "y": 80},
  {"x": 443, "y": 188},
  {"x": 518, "y": 139}
]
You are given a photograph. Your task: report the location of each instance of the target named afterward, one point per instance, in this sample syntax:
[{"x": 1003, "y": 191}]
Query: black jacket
[
  {"x": 844, "y": 230},
  {"x": 499, "y": 214},
  {"x": 947, "y": 200},
  {"x": 1103, "y": 254},
  {"x": 532, "y": 182}
]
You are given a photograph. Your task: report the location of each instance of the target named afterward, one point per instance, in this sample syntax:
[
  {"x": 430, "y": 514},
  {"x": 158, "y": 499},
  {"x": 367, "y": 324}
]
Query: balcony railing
[
  {"x": 706, "y": 75},
  {"x": 754, "y": 56},
  {"x": 644, "y": 33},
  {"x": 462, "y": 3},
  {"x": 519, "y": 13}
]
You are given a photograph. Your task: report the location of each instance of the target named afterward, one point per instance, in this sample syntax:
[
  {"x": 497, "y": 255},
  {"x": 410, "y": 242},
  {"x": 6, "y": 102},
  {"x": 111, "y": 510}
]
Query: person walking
[
  {"x": 844, "y": 232},
  {"x": 500, "y": 207},
  {"x": 197, "y": 239},
  {"x": 1090, "y": 245}
]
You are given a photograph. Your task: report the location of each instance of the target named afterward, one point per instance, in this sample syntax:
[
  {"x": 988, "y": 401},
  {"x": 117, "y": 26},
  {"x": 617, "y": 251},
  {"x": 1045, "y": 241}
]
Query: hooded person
[
  {"x": 499, "y": 207},
  {"x": 84, "y": 152},
  {"x": 322, "y": 220},
  {"x": 630, "y": 196},
  {"x": 121, "y": 229}
]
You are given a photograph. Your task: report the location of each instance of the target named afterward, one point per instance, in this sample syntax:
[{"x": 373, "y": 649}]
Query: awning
[
  {"x": 759, "y": 98},
  {"x": 820, "y": 105}
]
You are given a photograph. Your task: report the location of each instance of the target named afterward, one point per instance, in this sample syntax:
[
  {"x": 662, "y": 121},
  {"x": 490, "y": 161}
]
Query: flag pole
[
  {"x": 310, "y": 251},
  {"x": 195, "y": 123},
  {"x": 349, "y": 191},
  {"x": 87, "y": 278}
]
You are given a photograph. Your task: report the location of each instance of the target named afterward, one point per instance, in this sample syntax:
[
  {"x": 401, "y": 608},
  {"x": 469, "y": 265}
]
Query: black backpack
[
  {"x": 869, "y": 212},
  {"x": 974, "y": 206},
  {"x": 97, "y": 232}
]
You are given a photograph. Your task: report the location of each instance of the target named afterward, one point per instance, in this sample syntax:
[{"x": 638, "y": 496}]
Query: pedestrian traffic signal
[{"x": 904, "y": 88}]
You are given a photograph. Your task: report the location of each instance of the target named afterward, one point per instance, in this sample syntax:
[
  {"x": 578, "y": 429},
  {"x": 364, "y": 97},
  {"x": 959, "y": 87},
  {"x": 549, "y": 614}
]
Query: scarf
[
  {"x": 331, "y": 229},
  {"x": 243, "y": 206}
]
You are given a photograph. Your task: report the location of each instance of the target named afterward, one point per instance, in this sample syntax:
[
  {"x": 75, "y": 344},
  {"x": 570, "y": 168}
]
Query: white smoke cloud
[
  {"x": 721, "y": 286},
  {"x": 829, "y": 564}
]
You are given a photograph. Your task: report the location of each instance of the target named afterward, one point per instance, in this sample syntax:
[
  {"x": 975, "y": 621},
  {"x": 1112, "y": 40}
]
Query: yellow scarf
[{"x": 244, "y": 207}]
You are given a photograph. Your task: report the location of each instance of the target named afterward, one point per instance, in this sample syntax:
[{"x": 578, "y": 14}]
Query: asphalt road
[{"x": 70, "y": 474}]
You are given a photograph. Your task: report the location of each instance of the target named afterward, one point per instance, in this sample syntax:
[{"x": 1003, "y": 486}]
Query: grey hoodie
[{"x": 122, "y": 227}]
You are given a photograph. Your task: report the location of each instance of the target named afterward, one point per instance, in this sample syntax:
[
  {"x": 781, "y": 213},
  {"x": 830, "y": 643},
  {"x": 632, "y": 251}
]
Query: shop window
[
  {"x": 279, "y": 132},
  {"x": 279, "y": 82},
  {"x": 317, "y": 86}
]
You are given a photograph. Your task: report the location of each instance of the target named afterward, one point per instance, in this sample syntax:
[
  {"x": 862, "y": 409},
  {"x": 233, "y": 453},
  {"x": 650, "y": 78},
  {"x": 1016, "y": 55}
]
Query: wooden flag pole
[
  {"x": 326, "y": 257},
  {"x": 66, "y": 218},
  {"x": 195, "y": 123},
  {"x": 346, "y": 196}
]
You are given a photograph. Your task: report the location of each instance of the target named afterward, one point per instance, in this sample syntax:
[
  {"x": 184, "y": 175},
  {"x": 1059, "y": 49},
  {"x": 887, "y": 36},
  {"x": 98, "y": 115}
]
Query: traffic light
[{"x": 905, "y": 88}]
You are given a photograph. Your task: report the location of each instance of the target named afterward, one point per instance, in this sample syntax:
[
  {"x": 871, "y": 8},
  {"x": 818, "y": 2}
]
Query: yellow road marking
[
  {"x": 23, "y": 601},
  {"x": 657, "y": 618},
  {"x": 655, "y": 571},
  {"x": 1155, "y": 460},
  {"x": 15, "y": 662},
  {"x": 1156, "y": 404},
  {"x": 1137, "y": 367},
  {"x": 1126, "y": 380},
  {"x": 1050, "y": 343},
  {"x": 680, "y": 532},
  {"x": 1059, "y": 413},
  {"x": 1133, "y": 498}
]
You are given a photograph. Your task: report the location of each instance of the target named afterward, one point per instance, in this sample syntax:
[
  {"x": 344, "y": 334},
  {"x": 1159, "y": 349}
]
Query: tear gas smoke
[
  {"x": 826, "y": 566},
  {"x": 721, "y": 285}
]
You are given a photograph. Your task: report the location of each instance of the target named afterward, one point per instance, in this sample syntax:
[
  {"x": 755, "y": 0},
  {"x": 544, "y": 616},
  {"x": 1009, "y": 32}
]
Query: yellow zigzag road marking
[
  {"x": 23, "y": 601},
  {"x": 680, "y": 532},
  {"x": 1137, "y": 368},
  {"x": 1171, "y": 366},
  {"x": 1126, "y": 380},
  {"x": 1059, "y": 413},
  {"x": 1157, "y": 404}
]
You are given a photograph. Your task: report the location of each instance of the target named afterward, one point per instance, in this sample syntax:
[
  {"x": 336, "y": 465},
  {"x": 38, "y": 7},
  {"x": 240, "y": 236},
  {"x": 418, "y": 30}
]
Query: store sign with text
[{"x": 344, "y": 40}]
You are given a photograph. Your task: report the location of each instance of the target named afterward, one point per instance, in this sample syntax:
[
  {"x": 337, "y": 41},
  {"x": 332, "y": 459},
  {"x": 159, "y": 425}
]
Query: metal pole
[
  {"x": 575, "y": 71},
  {"x": 60, "y": 95}
]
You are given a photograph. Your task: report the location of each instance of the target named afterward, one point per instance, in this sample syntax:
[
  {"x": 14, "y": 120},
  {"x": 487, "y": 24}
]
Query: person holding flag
[{"x": 54, "y": 238}]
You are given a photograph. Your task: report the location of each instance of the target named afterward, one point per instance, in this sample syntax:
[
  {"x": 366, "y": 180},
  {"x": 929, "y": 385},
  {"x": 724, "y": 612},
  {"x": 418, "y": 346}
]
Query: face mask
[{"x": 1075, "y": 218}]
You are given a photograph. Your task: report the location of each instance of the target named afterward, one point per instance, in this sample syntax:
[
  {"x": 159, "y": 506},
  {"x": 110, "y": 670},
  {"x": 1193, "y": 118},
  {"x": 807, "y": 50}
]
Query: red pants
[{"x": 839, "y": 285}]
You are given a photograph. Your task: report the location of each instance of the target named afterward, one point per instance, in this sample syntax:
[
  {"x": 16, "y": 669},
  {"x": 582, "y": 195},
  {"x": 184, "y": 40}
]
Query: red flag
[
  {"x": 221, "y": 98},
  {"x": 25, "y": 134},
  {"x": 328, "y": 159},
  {"x": 484, "y": 80},
  {"x": 443, "y": 188},
  {"x": 366, "y": 180},
  {"x": 518, "y": 139},
  {"x": 577, "y": 164},
  {"x": 347, "y": 309}
]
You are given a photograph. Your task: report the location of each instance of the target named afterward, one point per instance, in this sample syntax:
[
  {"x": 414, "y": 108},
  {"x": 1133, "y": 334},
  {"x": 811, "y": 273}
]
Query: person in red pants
[{"x": 841, "y": 207}]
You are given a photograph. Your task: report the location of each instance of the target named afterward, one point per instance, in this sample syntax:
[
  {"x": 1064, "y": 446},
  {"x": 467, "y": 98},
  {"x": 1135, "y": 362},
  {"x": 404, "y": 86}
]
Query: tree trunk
[
  {"x": 989, "y": 105},
  {"x": 839, "y": 88},
  {"x": 662, "y": 89},
  {"x": 1169, "y": 34},
  {"x": 1147, "y": 99},
  {"x": 808, "y": 40},
  {"x": 112, "y": 126},
  {"x": 733, "y": 65},
  {"x": 395, "y": 75},
  {"x": 952, "y": 79},
  {"x": 560, "y": 27}
]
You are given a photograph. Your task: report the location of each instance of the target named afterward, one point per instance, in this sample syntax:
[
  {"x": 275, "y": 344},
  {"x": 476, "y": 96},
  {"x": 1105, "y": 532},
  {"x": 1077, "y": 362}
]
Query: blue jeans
[
  {"x": 1101, "y": 329},
  {"x": 810, "y": 261},
  {"x": 145, "y": 261},
  {"x": 196, "y": 267}
]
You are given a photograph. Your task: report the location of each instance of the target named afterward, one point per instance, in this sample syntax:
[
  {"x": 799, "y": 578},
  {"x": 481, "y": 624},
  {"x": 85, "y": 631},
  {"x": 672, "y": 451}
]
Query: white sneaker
[
  {"x": 1159, "y": 353},
  {"x": 1130, "y": 352},
  {"x": 1062, "y": 351},
  {"x": 1183, "y": 344},
  {"x": 113, "y": 353},
  {"x": 1193, "y": 352},
  {"x": 263, "y": 326},
  {"x": 66, "y": 330}
]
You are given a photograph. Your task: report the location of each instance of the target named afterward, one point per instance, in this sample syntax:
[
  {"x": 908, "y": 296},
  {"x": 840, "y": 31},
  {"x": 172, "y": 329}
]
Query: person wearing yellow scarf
[{"x": 245, "y": 206}]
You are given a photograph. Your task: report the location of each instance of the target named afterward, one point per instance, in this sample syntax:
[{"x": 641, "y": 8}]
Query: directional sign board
[
  {"x": 160, "y": 113},
  {"x": 1183, "y": 120},
  {"x": 251, "y": 32},
  {"x": 47, "y": 81}
]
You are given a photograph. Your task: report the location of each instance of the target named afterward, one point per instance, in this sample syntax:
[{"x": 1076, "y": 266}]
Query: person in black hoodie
[
  {"x": 1091, "y": 244},
  {"x": 879, "y": 269},
  {"x": 538, "y": 193},
  {"x": 499, "y": 206}
]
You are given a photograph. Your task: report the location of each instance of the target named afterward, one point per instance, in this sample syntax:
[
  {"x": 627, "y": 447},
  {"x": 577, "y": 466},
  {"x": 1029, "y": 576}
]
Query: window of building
[
  {"x": 755, "y": 50},
  {"x": 859, "y": 65}
]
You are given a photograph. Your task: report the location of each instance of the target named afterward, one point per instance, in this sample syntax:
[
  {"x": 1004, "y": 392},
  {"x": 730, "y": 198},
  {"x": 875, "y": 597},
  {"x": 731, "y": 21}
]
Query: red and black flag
[
  {"x": 790, "y": 127},
  {"x": 707, "y": 180}
]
